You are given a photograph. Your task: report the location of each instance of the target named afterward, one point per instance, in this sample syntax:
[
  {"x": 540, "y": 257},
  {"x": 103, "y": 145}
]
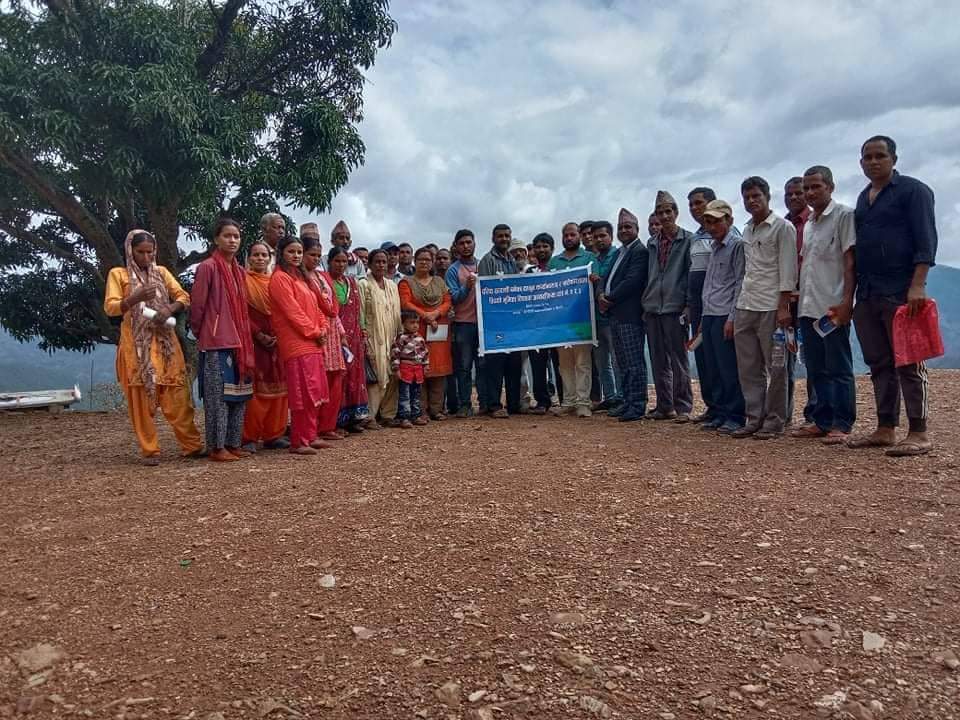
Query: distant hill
[{"x": 23, "y": 366}]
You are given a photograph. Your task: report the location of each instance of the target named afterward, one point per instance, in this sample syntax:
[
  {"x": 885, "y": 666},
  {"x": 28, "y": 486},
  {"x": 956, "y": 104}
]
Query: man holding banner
[
  {"x": 500, "y": 367},
  {"x": 539, "y": 310},
  {"x": 576, "y": 363}
]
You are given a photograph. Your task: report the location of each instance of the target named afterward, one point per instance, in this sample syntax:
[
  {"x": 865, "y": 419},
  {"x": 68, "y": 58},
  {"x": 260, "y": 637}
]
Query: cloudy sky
[{"x": 535, "y": 113}]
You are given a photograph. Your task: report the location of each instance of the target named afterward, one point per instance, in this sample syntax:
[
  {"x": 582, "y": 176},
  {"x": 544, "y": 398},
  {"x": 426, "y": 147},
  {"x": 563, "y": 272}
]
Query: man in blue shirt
[{"x": 896, "y": 247}]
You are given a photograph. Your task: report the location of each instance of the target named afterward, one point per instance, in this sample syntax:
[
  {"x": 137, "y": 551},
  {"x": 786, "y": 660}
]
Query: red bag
[{"x": 917, "y": 338}]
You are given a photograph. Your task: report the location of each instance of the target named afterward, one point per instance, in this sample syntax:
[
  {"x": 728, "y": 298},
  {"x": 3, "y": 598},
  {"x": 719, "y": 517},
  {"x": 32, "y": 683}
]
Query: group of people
[{"x": 300, "y": 348}]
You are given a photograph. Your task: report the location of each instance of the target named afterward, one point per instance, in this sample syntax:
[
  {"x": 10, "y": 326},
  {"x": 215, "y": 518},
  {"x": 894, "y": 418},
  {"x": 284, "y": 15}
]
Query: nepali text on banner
[{"x": 536, "y": 310}]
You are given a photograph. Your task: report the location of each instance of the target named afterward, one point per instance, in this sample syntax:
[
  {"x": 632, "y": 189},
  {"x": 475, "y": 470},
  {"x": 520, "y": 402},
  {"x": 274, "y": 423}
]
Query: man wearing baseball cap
[
  {"x": 721, "y": 288},
  {"x": 393, "y": 259}
]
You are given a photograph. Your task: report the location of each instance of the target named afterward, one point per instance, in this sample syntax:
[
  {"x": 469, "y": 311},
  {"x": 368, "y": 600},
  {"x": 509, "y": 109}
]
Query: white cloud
[{"x": 535, "y": 113}]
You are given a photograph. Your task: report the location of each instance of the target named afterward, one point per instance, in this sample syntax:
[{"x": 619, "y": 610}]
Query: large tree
[{"x": 117, "y": 114}]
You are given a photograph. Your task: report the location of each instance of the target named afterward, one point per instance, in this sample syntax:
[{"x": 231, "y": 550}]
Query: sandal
[
  {"x": 867, "y": 441},
  {"x": 808, "y": 432},
  {"x": 835, "y": 437},
  {"x": 909, "y": 448},
  {"x": 150, "y": 461}
]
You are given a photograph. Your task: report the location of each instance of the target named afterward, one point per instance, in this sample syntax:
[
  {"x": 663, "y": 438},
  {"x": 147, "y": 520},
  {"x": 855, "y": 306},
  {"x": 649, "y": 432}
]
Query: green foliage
[{"x": 123, "y": 114}]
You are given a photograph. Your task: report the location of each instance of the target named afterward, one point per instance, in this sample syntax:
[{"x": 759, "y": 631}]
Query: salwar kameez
[
  {"x": 265, "y": 419},
  {"x": 171, "y": 393},
  {"x": 353, "y": 403},
  {"x": 381, "y": 313}
]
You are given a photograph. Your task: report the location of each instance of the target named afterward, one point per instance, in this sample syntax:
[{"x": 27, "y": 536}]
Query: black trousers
[{"x": 501, "y": 369}]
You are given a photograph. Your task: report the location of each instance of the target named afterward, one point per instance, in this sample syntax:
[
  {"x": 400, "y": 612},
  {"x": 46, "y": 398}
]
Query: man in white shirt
[
  {"x": 828, "y": 279},
  {"x": 770, "y": 254}
]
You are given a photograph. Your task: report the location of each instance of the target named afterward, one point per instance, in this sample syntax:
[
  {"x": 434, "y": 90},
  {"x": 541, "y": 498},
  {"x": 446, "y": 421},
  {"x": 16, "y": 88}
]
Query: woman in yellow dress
[{"x": 150, "y": 365}]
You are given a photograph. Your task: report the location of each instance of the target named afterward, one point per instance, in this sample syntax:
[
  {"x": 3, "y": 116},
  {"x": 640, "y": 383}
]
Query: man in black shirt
[{"x": 896, "y": 247}]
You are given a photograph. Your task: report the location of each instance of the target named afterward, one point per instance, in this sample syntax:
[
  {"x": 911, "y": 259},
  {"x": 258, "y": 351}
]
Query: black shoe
[
  {"x": 712, "y": 424},
  {"x": 281, "y": 443},
  {"x": 631, "y": 416},
  {"x": 616, "y": 410}
]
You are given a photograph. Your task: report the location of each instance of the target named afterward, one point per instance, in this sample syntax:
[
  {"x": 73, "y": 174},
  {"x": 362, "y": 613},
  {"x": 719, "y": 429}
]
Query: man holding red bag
[{"x": 896, "y": 247}]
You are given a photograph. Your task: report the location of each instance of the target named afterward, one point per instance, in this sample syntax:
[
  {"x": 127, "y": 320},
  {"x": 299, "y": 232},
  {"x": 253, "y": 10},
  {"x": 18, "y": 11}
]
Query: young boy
[{"x": 409, "y": 359}]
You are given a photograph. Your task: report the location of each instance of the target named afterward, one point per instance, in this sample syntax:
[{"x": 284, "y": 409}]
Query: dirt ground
[{"x": 521, "y": 568}]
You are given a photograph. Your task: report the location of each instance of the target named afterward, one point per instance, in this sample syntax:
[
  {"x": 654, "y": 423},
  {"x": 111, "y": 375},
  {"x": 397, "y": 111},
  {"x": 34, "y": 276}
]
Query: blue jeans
[
  {"x": 611, "y": 381},
  {"x": 829, "y": 363},
  {"x": 720, "y": 365},
  {"x": 408, "y": 405},
  {"x": 466, "y": 343}
]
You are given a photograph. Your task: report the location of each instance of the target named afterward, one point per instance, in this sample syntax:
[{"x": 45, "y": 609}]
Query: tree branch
[
  {"x": 213, "y": 53},
  {"x": 44, "y": 245},
  {"x": 66, "y": 205},
  {"x": 192, "y": 258}
]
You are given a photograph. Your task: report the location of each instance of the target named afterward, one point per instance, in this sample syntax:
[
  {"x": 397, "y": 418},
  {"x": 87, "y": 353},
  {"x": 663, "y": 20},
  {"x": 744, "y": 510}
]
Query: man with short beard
[
  {"x": 340, "y": 237},
  {"x": 663, "y": 303},
  {"x": 499, "y": 369}
]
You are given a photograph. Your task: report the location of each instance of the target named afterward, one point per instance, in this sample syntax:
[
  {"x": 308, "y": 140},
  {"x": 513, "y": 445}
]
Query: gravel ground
[{"x": 531, "y": 567}]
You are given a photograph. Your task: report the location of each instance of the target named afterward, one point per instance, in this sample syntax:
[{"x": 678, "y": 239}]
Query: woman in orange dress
[
  {"x": 333, "y": 359},
  {"x": 301, "y": 335},
  {"x": 428, "y": 296},
  {"x": 150, "y": 365},
  {"x": 266, "y": 417}
]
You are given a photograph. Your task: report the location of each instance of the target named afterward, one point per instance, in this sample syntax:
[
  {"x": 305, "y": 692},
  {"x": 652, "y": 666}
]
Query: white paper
[{"x": 440, "y": 334}]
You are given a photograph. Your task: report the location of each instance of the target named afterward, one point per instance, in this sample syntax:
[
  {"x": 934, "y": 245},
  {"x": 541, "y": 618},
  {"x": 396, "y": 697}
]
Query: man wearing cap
[
  {"x": 461, "y": 279},
  {"x": 763, "y": 306},
  {"x": 621, "y": 300},
  {"x": 828, "y": 278},
  {"x": 272, "y": 229},
  {"x": 499, "y": 369},
  {"x": 663, "y": 303},
  {"x": 312, "y": 231},
  {"x": 575, "y": 360},
  {"x": 518, "y": 251},
  {"x": 700, "y": 251},
  {"x": 896, "y": 247},
  {"x": 393, "y": 257},
  {"x": 340, "y": 237},
  {"x": 604, "y": 256},
  {"x": 722, "y": 281}
]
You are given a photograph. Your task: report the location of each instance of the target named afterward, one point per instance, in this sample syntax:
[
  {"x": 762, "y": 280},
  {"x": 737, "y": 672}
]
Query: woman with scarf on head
[
  {"x": 353, "y": 403},
  {"x": 150, "y": 365},
  {"x": 301, "y": 336},
  {"x": 219, "y": 320},
  {"x": 265, "y": 419},
  {"x": 428, "y": 296},
  {"x": 334, "y": 363}
]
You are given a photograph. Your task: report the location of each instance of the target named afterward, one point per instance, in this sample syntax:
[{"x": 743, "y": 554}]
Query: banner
[{"x": 535, "y": 310}]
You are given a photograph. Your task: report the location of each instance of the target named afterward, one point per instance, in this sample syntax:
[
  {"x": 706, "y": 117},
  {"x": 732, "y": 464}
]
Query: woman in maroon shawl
[{"x": 353, "y": 406}]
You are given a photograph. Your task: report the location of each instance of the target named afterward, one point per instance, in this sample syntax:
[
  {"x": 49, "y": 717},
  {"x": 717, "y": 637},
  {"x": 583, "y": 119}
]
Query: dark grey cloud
[{"x": 534, "y": 113}]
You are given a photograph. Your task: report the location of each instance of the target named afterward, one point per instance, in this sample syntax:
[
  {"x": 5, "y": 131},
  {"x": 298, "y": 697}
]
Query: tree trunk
[{"x": 166, "y": 229}]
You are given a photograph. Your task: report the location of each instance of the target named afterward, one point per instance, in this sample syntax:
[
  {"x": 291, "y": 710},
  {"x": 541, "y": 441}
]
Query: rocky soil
[{"x": 485, "y": 569}]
